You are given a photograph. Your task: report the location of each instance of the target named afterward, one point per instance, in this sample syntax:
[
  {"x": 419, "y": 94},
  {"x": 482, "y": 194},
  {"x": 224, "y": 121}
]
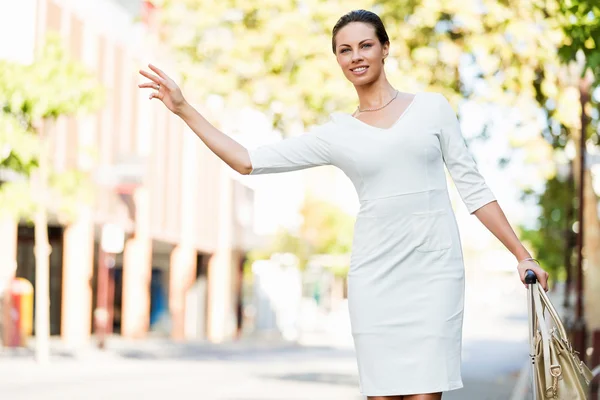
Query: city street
[
  {"x": 190, "y": 191},
  {"x": 323, "y": 367}
]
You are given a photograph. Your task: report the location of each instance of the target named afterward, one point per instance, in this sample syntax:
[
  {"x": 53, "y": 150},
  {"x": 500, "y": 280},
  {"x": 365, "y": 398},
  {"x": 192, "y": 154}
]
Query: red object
[
  {"x": 126, "y": 188},
  {"x": 148, "y": 12},
  {"x": 14, "y": 339},
  {"x": 19, "y": 312}
]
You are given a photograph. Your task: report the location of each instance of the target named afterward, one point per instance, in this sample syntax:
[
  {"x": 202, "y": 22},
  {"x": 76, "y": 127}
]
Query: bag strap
[
  {"x": 552, "y": 311},
  {"x": 549, "y": 367}
]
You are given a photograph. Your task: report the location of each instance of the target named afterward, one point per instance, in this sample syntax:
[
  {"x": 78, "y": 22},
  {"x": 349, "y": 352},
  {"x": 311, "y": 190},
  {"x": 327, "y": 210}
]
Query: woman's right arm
[
  {"x": 291, "y": 154},
  {"x": 227, "y": 149},
  {"x": 224, "y": 147}
]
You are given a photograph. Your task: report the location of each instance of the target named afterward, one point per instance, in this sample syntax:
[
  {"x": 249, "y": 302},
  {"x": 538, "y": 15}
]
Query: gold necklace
[{"x": 379, "y": 108}]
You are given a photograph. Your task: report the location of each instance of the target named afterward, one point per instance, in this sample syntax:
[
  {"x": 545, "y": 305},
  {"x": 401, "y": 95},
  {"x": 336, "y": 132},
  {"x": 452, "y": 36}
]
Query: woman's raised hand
[{"x": 165, "y": 89}]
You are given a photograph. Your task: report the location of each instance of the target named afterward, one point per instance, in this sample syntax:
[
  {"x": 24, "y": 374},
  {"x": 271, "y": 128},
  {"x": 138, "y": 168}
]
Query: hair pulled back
[{"x": 363, "y": 16}]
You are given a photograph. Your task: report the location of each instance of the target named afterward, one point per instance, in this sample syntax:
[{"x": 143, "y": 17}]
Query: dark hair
[{"x": 364, "y": 16}]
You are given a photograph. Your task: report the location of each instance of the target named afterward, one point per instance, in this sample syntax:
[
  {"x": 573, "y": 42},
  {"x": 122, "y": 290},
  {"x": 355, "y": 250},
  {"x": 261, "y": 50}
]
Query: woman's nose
[{"x": 356, "y": 56}]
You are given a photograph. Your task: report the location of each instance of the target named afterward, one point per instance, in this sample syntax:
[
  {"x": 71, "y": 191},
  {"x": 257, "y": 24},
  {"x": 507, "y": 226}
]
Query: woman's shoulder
[
  {"x": 338, "y": 117},
  {"x": 434, "y": 97},
  {"x": 332, "y": 123}
]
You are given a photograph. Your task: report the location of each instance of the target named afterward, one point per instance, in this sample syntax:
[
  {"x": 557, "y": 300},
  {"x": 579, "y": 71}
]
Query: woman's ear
[{"x": 386, "y": 51}]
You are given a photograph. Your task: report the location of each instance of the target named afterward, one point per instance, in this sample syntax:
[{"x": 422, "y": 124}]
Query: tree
[
  {"x": 277, "y": 55},
  {"x": 498, "y": 54},
  {"x": 556, "y": 43},
  {"x": 32, "y": 98},
  {"x": 581, "y": 24},
  {"x": 580, "y": 20},
  {"x": 517, "y": 62}
]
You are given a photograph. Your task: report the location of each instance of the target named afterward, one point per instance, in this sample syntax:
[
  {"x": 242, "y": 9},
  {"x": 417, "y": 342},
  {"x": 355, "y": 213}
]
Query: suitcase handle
[{"x": 530, "y": 276}]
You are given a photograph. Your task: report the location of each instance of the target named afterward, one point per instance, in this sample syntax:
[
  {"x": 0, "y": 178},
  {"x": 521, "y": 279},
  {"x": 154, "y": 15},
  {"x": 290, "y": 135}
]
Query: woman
[{"x": 406, "y": 279}]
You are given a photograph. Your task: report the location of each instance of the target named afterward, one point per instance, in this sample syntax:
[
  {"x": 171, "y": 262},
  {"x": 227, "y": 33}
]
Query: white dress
[{"x": 406, "y": 277}]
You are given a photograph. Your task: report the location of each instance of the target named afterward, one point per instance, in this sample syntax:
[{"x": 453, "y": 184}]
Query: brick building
[{"x": 186, "y": 219}]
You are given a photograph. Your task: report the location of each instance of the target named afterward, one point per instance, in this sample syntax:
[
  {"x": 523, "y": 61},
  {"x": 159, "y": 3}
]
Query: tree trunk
[
  {"x": 591, "y": 256},
  {"x": 591, "y": 226},
  {"x": 42, "y": 257},
  {"x": 42, "y": 286}
]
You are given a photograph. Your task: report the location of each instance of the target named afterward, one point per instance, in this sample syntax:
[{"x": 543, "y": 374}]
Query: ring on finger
[{"x": 158, "y": 86}]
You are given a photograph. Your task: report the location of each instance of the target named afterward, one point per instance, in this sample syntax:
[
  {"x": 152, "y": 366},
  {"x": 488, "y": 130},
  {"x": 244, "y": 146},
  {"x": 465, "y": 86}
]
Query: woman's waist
[{"x": 436, "y": 200}]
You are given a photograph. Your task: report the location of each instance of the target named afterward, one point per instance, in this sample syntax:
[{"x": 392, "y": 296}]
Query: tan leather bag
[{"x": 558, "y": 371}]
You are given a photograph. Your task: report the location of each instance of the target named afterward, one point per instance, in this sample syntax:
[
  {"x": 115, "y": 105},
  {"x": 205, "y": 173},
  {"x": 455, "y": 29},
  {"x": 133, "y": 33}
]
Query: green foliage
[
  {"x": 16, "y": 199},
  {"x": 520, "y": 65},
  {"x": 549, "y": 238},
  {"x": 277, "y": 55},
  {"x": 70, "y": 189},
  {"x": 325, "y": 229},
  {"x": 19, "y": 147},
  {"x": 580, "y": 20},
  {"x": 50, "y": 87}
]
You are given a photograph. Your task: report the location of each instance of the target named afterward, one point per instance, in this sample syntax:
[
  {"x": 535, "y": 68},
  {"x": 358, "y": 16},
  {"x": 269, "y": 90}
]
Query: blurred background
[{"x": 134, "y": 262}]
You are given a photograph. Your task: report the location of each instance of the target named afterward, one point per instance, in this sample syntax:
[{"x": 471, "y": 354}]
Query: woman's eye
[
  {"x": 367, "y": 45},
  {"x": 344, "y": 50}
]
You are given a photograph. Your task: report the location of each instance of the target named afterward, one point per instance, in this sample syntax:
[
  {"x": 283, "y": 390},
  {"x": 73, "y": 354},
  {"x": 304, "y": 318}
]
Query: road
[{"x": 322, "y": 366}]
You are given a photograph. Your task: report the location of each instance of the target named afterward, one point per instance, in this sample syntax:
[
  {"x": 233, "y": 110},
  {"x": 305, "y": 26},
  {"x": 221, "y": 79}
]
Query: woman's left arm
[
  {"x": 475, "y": 193},
  {"x": 492, "y": 216}
]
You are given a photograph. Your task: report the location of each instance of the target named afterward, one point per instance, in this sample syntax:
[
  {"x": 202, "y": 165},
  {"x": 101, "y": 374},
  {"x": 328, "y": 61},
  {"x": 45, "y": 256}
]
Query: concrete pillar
[
  {"x": 137, "y": 271},
  {"x": 221, "y": 308},
  {"x": 182, "y": 274},
  {"x": 78, "y": 265},
  {"x": 221, "y": 312},
  {"x": 182, "y": 270}
]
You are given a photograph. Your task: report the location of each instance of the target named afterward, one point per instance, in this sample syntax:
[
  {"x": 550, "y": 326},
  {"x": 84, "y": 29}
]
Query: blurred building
[{"x": 187, "y": 221}]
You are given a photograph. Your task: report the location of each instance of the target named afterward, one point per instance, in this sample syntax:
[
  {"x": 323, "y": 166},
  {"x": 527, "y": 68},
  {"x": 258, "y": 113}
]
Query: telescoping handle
[
  {"x": 530, "y": 280},
  {"x": 530, "y": 277}
]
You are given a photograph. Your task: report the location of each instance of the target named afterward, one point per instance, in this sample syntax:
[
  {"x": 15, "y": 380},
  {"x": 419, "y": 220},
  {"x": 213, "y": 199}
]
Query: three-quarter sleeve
[
  {"x": 299, "y": 152},
  {"x": 470, "y": 184}
]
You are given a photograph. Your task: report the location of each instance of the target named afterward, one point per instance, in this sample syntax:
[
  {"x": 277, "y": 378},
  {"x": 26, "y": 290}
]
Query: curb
[{"x": 521, "y": 390}]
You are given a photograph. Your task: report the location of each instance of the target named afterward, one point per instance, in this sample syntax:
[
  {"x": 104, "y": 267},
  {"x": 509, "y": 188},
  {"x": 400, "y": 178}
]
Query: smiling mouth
[{"x": 359, "y": 69}]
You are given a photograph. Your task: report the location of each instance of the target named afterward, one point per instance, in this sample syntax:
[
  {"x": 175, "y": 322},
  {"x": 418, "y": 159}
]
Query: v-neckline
[{"x": 396, "y": 122}]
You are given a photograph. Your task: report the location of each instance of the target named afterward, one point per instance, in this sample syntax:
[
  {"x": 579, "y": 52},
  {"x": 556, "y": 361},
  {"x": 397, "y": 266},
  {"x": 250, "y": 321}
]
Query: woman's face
[{"x": 359, "y": 53}]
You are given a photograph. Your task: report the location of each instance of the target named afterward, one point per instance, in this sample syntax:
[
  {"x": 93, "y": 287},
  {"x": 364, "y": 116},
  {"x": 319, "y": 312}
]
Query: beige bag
[{"x": 558, "y": 373}]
